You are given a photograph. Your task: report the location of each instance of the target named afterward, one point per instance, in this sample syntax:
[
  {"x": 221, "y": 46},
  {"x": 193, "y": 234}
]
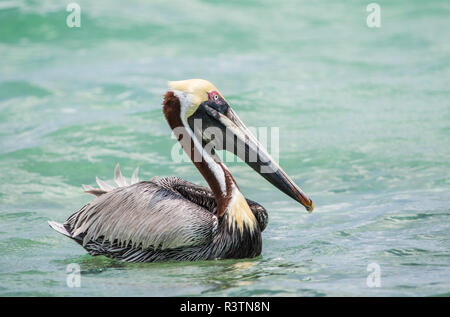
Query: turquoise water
[{"x": 364, "y": 123}]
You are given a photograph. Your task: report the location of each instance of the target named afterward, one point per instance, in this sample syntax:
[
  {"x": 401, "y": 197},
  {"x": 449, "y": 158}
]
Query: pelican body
[{"x": 169, "y": 218}]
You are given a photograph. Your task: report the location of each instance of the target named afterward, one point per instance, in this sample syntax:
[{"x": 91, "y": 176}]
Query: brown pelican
[{"x": 172, "y": 219}]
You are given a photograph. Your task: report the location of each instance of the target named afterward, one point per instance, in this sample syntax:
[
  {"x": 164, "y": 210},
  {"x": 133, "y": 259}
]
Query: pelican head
[{"x": 215, "y": 125}]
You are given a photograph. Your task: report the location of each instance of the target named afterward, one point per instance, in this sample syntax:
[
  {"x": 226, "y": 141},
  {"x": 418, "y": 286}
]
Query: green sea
[{"x": 364, "y": 129}]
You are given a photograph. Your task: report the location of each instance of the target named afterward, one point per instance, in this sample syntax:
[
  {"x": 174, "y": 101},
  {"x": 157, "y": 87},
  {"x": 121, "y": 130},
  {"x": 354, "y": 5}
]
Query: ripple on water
[
  {"x": 19, "y": 245},
  {"x": 14, "y": 89},
  {"x": 407, "y": 252},
  {"x": 414, "y": 216},
  {"x": 23, "y": 217},
  {"x": 13, "y": 215}
]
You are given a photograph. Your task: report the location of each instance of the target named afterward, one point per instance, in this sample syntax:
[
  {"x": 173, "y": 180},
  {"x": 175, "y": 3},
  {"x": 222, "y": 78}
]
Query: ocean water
[{"x": 363, "y": 117}]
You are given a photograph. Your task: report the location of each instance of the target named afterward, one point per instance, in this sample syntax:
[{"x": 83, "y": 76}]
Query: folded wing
[{"x": 142, "y": 215}]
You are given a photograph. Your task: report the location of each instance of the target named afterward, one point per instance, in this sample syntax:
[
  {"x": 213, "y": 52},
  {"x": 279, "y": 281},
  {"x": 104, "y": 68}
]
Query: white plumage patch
[{"x": 118, "y": 178}]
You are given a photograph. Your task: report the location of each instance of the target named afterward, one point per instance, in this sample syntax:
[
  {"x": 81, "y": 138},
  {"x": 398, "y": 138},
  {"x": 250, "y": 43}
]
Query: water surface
[{"x": 363, "y": 117}]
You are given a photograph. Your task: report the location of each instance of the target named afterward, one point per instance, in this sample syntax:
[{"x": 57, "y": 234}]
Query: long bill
[{"x": 240, "y": 141}]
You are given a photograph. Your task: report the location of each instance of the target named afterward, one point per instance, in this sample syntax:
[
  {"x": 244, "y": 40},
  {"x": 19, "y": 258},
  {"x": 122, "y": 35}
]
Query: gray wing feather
[
  {"x": 146, "y": 214},
  {"x": 118, "y": 177},
  {"x": 134, "y": 177}
]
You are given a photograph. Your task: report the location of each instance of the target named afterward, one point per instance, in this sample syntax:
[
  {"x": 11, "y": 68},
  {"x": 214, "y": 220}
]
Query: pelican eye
[{"x": 216, "y": 102}]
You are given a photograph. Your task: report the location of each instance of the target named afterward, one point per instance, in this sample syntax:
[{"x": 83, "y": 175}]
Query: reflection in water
[{"x": 232, "y": 274}]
